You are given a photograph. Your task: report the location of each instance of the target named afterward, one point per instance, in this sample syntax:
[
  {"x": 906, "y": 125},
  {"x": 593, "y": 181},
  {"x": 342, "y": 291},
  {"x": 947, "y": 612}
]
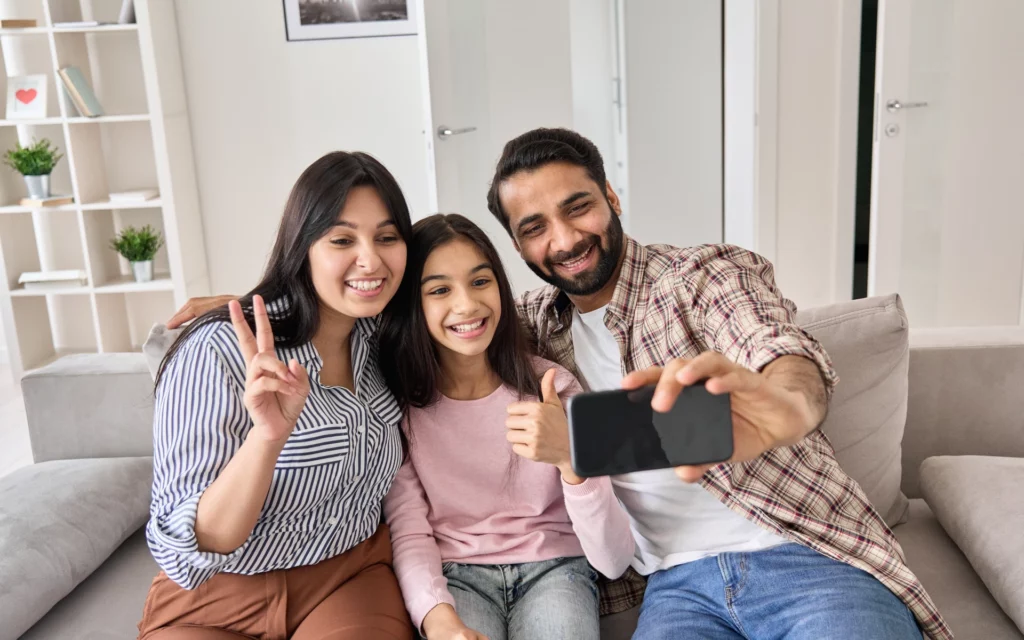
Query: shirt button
[
  {"x": 361, "y": 429},
  {"x": 332, "y": 521}
]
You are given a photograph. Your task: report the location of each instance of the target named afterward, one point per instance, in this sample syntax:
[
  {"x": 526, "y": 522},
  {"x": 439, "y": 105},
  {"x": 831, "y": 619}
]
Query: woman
[
  {"x": 273, "y": 451},
  {"x": 492, "y": 531}
]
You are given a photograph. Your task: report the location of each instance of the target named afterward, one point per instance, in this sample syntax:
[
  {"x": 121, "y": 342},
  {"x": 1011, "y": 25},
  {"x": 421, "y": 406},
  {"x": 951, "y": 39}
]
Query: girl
[
  {"x": 488, "y": 538},
  {"x": 273, "y": 451}
]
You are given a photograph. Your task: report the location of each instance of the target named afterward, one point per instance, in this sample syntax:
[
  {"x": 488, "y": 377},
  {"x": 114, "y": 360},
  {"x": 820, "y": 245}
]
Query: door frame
[
  {"x": 427, "y": 110},
  {"x": 892, "y": 71}
]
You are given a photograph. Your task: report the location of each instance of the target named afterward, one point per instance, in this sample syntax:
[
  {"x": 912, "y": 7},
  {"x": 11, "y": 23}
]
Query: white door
[
  {"x": 497, "y": 69},
  {"x": 947, "y": 226}
]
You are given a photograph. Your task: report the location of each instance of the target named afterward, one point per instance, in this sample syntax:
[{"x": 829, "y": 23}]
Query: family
[{"x": 372, "y": 442}]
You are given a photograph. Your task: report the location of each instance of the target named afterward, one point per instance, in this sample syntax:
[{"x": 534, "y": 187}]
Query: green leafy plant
[
  {"x": 37, "y": 159},
  {"x": 137, "y": 245}
]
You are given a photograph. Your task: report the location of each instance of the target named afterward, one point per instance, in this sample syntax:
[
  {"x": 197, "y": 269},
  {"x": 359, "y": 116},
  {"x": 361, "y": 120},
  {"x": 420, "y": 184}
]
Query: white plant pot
[
  {"x": 38, "y": 186},
  {"x": 143, "y": 271}
]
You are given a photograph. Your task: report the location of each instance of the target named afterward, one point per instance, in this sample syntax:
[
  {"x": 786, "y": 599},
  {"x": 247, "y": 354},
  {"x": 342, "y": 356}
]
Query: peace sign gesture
[{"x": 274, "y": 392}]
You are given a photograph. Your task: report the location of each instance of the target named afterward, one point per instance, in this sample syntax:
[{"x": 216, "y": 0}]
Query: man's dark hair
[{"x": 534, "y": 149}]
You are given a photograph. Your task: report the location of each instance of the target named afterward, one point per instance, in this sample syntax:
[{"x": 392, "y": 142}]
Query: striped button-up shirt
[
  {"x": 330, "y": 478},
  {"x": 678, "y": 303}
]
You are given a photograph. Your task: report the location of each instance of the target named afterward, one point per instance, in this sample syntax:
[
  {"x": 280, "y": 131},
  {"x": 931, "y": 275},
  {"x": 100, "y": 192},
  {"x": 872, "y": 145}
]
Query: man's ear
[{"x": 613, "y": 198}]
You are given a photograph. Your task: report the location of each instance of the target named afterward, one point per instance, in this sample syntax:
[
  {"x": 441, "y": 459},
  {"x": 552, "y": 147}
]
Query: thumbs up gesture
[{"x": 539, "y": 431}]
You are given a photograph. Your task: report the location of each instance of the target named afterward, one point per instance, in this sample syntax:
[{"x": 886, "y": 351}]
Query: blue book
[{"x": 80, "y": 92}]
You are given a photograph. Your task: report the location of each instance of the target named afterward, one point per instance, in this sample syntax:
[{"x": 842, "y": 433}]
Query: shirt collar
[{"x": 625, "y": 295}]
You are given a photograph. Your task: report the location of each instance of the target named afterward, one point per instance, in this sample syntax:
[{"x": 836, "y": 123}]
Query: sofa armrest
[
  {"x": 964, "y": 396},
  {"x": 90, "y": 406}
]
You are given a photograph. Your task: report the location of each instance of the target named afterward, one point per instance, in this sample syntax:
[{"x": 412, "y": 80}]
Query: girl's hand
[
  {"x": 275, "y": 393},
  {"x": 442, "y": 623},
  {"x": 539, "y": 431}
]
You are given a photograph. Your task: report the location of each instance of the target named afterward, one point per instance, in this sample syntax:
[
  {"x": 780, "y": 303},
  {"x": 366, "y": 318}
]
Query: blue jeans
[
  {"x": 531, "y": 601},
  {"x": 789, "y": 591}
]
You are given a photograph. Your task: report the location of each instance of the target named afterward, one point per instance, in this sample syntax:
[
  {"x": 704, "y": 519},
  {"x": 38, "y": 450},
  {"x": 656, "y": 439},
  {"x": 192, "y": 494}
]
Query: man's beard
[{"x": 590, "y": 282}]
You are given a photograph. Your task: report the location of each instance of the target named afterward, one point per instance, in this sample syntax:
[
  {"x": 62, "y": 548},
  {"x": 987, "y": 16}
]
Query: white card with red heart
[{"x": 26, "y": 97}]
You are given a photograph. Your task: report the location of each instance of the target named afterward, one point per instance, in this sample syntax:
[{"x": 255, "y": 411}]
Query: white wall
[
  {"x": 674, "y": 82},
  {"x": 262, "y": 109}
]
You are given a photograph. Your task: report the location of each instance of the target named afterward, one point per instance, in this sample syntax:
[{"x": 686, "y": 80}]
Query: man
[
  {"x": 776, "y": 543},
  {"x": 717, "y": 548}
]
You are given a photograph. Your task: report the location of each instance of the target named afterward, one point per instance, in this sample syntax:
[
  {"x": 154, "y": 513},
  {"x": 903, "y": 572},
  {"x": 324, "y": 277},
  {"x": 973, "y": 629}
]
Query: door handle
[
  {"x": 894, "y": 106},
  {"x": 444, "y": 132}
]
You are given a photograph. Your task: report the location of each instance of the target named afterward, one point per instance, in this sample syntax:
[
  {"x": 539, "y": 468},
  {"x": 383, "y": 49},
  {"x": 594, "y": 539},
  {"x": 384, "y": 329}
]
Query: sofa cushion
[
  {"x": 109, "y": 603},
  {"x": 948, "y": 578},
  {"x": 868, "y": 342},
  {"x": 978, "y": 501},
  {"x": 59, "y": 521},
  {"x": 157, "y": 344}
]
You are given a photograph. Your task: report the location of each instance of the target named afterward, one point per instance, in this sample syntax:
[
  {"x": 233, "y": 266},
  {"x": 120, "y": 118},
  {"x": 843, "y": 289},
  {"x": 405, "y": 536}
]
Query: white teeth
[
  {"x": 577, "y": 261},
  {"x": 365, "y": 285},
  {"x": 464, "y": 328}
]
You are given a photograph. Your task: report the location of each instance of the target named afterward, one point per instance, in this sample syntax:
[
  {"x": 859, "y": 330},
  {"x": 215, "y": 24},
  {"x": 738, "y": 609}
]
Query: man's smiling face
[{"x": 564, "y": 227}]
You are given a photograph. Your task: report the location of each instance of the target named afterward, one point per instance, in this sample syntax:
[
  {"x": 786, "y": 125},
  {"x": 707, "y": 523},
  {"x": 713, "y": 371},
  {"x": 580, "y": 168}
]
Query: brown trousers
[{"x": 348, "y": 597}]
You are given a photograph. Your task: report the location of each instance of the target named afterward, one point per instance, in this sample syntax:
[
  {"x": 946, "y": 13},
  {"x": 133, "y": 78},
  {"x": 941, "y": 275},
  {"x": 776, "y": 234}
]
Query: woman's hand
[
  {"x": 539, "y": 431},
  {"x": 442, "y": 623},
  {"x": 275, "y": 393},
  {"x": 196, "y": 307}
]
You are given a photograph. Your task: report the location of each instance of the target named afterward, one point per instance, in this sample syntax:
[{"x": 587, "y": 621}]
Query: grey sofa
[{"x": 74, "y": 563}]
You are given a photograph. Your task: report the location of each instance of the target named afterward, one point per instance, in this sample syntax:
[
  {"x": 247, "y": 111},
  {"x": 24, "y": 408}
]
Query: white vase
[
  {"x": 38, "y": 186},
  {"x": 143, "y": 271}
]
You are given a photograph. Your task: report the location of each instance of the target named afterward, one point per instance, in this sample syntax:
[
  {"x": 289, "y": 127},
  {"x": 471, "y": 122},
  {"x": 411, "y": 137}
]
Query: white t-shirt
[{"x": 673, "y": 522}]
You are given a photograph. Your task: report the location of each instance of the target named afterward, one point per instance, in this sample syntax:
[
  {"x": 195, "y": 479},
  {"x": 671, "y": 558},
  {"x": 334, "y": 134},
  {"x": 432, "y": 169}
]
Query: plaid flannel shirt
[{"x": 678, "y": 303}]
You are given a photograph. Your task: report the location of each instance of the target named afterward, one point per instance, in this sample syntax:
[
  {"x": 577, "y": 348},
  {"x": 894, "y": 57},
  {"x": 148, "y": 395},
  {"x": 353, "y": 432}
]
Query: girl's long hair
[
  {"x": 409, "y": 359},
  {"x": 316, "y": 200}
]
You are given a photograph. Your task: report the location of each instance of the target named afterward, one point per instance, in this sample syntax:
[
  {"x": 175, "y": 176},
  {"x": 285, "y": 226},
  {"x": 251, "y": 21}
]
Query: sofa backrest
[
  {"x": 867, "y": 340},
  {"x": 965, "y": 396}
]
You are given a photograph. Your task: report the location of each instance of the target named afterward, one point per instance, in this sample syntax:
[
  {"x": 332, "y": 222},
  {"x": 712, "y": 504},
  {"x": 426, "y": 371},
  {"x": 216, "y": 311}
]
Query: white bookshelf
[{"x": 143, "y": 141}]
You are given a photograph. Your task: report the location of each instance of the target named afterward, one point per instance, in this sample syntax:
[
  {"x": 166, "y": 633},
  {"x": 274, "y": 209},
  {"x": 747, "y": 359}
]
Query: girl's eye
[
  {"x": 341, "y": 242},
  {"x": 438, "y": 291},
  {"x": 479, "y": 282},
  {"x": 388, "y": 239}
]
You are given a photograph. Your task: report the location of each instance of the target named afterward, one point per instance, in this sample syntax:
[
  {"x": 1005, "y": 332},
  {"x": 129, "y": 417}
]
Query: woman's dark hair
[
  {"x": 409, "y": 359},
  {"x": 312, "y": 209},
  {"x": 534, "y": 149}
]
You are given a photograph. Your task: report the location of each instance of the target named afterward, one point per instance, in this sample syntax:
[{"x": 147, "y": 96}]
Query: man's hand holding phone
[{"x": 775, "y": 408}]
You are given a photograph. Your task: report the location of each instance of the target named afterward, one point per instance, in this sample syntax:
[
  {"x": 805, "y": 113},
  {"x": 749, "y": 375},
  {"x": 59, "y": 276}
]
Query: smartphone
[{"x": 613, "y": 432}]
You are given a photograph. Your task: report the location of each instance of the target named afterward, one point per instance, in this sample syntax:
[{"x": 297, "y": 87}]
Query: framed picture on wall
[
  {"x": 26, "y": 97},
  {"x": 328, "y": 19}
]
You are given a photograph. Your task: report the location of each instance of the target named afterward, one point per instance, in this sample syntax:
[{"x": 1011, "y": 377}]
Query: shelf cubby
[{"x": 142, "y": 141}]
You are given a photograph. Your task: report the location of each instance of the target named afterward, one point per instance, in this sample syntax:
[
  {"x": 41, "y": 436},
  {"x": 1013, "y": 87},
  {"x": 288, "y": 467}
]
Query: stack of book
[
  {"x": 51, "y": 201},
  {"x": 44, "y": 280},
  {"x": 140, "y": 195},
  {"x": 17, "y": 23}
]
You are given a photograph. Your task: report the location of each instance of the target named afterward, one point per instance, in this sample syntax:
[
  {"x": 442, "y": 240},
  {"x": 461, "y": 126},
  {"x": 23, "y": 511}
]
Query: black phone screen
[{"x": 613, "y": 432}]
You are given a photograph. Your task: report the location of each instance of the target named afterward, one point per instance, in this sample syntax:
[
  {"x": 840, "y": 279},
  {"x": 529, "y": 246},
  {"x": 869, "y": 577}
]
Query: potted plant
[
  {"x": 138, "y": 246},
  {"x": 35, "y": 162}
]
